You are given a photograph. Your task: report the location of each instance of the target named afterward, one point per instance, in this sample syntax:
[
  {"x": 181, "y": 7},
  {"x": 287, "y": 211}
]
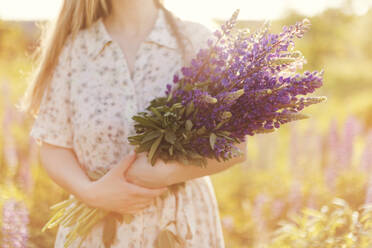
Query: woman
[{"x": 103, "y": 62}]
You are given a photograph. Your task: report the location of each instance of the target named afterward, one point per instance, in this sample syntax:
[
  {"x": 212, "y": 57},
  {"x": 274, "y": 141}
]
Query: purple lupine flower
[
  {"x": 258, "y": 214},
  {"x": 312, "y": 147},
  {"x": 368, "y": 198},
  {"x": 366, "y": 165},
  {"x": 366, "y": 159},
  {"x": 228, "y": 223},
  {"x": 278, "y": 207},
  {"x": 15, "y": 221},
  {"x": 241, "y": 84},
  {"x": 312, "y": 202},
  {"x": 332, "y": 144},
  {"x": 351, "y": 129},
  {"x": 295, "y": 196}
]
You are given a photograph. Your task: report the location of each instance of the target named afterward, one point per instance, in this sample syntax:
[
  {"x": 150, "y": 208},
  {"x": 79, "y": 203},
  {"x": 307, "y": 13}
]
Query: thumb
[{"x": 124, "y": 164}]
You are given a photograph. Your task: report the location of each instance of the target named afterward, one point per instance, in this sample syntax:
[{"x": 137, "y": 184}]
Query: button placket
[
  {"x": 139, "y": 86},
  {"x": 136, "y": 73},
  {"x": 131, "y": 107}
]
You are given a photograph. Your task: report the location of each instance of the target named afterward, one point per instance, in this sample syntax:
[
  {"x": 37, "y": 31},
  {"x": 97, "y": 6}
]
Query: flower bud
[
  {"x": 209, "y": 99},
  {"x": 282, "y": 61},
  {"x": 226, "y": 115},
  {"x": 235, "y": 95}
]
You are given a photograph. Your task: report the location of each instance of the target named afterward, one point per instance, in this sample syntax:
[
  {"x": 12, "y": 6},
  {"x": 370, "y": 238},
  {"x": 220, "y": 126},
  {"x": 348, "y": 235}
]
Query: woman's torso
[{"x": 104, "y": 97}]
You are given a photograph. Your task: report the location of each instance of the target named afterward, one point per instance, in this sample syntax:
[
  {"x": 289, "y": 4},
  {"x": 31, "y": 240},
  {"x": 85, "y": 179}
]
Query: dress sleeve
[
  {"x": 198, "y": 34},
  {"x": 53, "y": 121}
]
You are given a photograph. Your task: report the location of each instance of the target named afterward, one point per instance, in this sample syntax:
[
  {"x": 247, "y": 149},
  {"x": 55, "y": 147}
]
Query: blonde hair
[{"x": 73, "y": 16}]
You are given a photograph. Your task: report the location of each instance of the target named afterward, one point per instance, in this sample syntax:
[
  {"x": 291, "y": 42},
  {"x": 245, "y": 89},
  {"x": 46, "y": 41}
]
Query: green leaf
[
  {"x": 220, "y": 124},
  {"x": 195, "y": 155},
  {"x": 156, "y": 112},
  {"x": 176, "y": 106},
  {"x": 170, "y": 96},
  {"x": 171, "y": 148},
  {"x": 200, "y": 162},
  {"x": 203, "y": 162},
  {"x": 195, "y": 113},
  {"x": 150, "y": 136},
  {"x": 189, "y": 108},
  {"x": 154, "y": 158},
  {"x": 226, "y": 115},
  {"x": 212, "y": 140},
  {"x": 179, "y": 147},
  {"x": 282, "y": 61},
  {"x": 187, "y": 87},
  {"x": 202, "y": 84},
  {"x": 201, "y": 130},
  {"x": 154, "y": 147},
  {"x": 188, "y": 125},
  {"x": 158, "y": 101},
  {"x": 144, "y": 147},
  {"x": 227, "y": 133},
  {"x": 137, "y": 137},
  {"x": 182, "y": 111},
  {"x": 170, "y": 137},
  {"x": 183, "y": 159},
  {"x": 175, "y": 126},
  {"x": 145, "y": 122},
  {"x": 226, "y": 136}
]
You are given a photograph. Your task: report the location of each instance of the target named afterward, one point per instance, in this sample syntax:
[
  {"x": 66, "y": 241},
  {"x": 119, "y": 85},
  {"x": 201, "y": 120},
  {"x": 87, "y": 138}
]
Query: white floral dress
[{"x": 89, "y": 108}]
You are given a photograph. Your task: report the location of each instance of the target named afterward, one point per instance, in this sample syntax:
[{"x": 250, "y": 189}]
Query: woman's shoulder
[
  {"x": 197, "y": 32},
  {"x": 69, "y": 50},
  {"x": 81, "y": 44}
]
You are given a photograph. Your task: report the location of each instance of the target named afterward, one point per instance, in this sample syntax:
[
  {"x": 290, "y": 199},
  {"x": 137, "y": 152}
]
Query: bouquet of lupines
[{"x": 241, "y": 84}]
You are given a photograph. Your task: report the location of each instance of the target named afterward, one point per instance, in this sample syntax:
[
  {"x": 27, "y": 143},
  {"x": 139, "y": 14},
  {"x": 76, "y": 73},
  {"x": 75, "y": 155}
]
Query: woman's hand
[
  {"x": 144, "y": 174},
  {"x": 114, "y": 193}
]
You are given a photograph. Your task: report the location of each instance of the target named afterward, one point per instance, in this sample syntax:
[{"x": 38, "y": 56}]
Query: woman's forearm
[
  {"x": 165, "y": 174},
  {"x": 181, "y": 173},
  {"x": 62, "y": 166}
]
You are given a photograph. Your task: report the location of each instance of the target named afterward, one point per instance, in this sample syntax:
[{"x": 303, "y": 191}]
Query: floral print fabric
[{"x": 88, "y": 109}]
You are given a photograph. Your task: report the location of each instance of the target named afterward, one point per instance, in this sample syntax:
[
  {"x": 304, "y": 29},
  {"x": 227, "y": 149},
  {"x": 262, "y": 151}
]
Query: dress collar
[{"x": 160, "y": 35}]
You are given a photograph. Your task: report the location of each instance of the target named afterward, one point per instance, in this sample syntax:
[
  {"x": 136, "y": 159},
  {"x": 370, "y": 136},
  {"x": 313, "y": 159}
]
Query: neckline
[{"x": 123, "y": 56}]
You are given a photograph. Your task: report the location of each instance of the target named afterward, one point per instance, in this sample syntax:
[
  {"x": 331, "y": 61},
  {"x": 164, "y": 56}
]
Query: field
[{"x": 303, "y": 186}]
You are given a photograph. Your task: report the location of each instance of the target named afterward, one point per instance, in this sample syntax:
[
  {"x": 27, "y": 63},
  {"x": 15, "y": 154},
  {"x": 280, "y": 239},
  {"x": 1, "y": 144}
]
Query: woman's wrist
[
  {"x": 168, "y": 169},
  {"x": 144, "y": 174},
  {"x": 87, "y": 192},
  {"x": 174, "y": 170}
]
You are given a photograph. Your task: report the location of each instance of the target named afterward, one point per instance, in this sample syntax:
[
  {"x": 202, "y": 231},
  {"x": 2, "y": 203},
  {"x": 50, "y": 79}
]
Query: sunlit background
[
  {"x": 296, "y": 171},
  {"x": 195, "y": 9}
]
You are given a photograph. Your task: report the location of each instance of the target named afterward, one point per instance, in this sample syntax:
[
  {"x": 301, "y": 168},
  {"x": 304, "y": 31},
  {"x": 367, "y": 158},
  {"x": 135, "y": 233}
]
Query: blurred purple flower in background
[
  {"x": 352, "y": 128},
  {"x": 15, "y": 219},
  {"x": 366, "y": 160}
]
